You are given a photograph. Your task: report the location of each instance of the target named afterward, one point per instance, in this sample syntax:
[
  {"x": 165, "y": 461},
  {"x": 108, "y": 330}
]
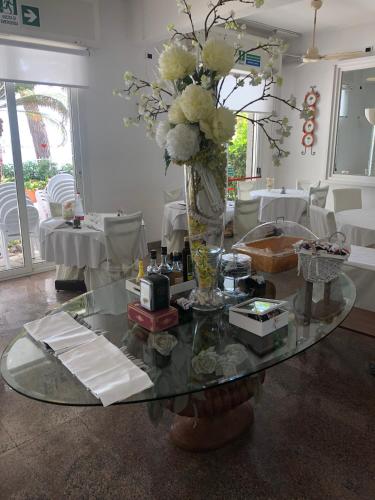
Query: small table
[
  {"x": 358, "y": 225},
  {"x": 267, "y": 196},
  {"x": 211, "y": 405},
  {"x": 76, "y": 248}
]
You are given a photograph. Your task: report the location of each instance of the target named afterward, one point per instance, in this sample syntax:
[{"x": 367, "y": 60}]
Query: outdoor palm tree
[{"x": 37, "y": 108}]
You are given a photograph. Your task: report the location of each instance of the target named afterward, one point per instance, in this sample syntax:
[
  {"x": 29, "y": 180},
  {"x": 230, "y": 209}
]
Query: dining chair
[
  {"x": 305, "y": 185},
  {"x": 318, "y": 196},
  {"x": 176, "y": 194},
  {"x": 244, "y": 189},
  {"x": 322, "y": 222},
  {"x": 347, "y": 199},
  {"x": 123, "y": 249},
  {"x": 290, "y": 209},
  {"x": 246, "y": 216}
]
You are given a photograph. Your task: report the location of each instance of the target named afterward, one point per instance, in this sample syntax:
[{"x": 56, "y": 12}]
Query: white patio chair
[
  {"x": 246, "y": 214},
  {"x": 123, "y": 249},
  {"x": 291, "y": 209},
  {"x": 10, "y": 229},
  {"x": 318, "y": 196},
  {"x": 347, "y": 199},
  {"x": 56, "y": 183},
  {"x": 322, "y": 222}
]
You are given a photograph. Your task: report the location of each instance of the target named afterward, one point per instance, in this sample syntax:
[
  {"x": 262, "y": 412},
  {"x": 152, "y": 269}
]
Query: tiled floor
[{"x": 313, "y": 438}]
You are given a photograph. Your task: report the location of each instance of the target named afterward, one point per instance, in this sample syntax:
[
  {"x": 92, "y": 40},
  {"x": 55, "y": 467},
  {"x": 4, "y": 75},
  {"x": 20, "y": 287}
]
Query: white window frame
[{"x": 29, "y": 266}]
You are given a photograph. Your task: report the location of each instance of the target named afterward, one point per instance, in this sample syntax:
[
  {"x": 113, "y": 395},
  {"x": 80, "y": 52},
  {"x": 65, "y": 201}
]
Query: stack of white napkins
[
  {"x": 93, "y": 359},
  {"x": 106, "y": 371},
  {"x": 59, "y": 332}
]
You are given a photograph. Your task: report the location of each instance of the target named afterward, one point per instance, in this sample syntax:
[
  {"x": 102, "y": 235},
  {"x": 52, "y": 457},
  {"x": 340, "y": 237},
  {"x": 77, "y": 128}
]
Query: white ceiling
[{"x": 297, "y": 15}]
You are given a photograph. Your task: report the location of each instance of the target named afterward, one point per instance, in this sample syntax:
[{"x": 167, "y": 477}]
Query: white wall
[
  {"x": 123, "y": 168},
  {"x": 297, "y": 80}
]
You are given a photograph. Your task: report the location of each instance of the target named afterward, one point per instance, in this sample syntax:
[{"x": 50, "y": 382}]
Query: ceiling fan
[{"x": 312, "y": 54}]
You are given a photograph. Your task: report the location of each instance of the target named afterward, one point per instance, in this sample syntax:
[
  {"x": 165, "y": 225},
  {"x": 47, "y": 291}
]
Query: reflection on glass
[{"x": 355, "y": 135}]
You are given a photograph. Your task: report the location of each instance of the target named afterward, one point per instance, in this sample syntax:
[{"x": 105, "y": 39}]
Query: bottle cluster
[{"x": 176, "y": 265}]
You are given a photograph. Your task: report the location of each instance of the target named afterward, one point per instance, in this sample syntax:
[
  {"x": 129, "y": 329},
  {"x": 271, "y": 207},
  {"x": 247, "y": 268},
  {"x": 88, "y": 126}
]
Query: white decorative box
[
  {"x": 185, "y": 286},
  {"x": 239, "y": 316}
]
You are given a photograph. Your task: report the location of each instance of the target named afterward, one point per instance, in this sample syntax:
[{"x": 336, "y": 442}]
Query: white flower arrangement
[
  {"x": 191, "y": 69},
  {"x": 182, "y": 142}
]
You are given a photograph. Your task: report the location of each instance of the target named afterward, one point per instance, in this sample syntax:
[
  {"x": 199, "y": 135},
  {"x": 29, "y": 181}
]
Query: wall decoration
[{"x": 309, "y": 126}]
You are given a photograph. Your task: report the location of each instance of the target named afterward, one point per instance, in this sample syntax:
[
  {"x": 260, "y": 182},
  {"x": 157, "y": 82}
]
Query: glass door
[{"x": 35, "y": 149}]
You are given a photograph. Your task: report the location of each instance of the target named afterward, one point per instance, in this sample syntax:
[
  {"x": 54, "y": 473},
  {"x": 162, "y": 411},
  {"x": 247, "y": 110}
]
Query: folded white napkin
[
  {"x": 59, "y": 331},
  {"x": 51, "y": 325},
  {"x": 105, "y": 370},
  {"x": 52, "y": 224}
]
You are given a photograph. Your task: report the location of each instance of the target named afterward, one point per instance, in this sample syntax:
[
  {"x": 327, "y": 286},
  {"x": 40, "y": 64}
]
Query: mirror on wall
[{"x": 355, "y": 139}]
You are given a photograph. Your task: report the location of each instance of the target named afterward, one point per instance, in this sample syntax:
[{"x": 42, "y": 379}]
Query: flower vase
[{"x": 205, "y": 200}]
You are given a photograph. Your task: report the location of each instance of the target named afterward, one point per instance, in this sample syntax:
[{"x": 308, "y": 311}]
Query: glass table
[{"x": 205, "y": 371}]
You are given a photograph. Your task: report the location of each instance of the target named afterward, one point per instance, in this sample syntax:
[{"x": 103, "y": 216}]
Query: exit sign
[{"x": 30, "y": 16}]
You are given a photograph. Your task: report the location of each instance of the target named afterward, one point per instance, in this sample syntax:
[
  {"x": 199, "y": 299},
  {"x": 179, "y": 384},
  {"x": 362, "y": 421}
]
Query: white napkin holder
[{"x": 239, "y": 315}]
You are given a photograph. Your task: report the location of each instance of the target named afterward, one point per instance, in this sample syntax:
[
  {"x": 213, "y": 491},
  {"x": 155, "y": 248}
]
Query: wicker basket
[{"x": 317, "y": 267}]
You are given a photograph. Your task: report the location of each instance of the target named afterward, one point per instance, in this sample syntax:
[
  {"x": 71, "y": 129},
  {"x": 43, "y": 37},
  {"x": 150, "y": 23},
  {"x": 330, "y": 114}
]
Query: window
[{"x": 243, "y": 153}]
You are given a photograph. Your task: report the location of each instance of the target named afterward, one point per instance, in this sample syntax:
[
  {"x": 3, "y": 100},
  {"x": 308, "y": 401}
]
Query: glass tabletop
[{"x": 202, "y": 352}]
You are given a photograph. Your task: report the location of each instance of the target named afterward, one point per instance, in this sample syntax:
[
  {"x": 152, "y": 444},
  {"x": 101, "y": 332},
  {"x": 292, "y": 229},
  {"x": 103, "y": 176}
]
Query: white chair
[
  {"x": 177, "y": 194},
  {"x": 244, "y": 189},
  {"x": 305, "y": 185},
  {"x": 246, "y": 214},
  {"x": 290, "y": 209},
  {"x": 42, "y": 204},
  {"x": 322, "y": 222},
  {"x": 347, "y": 199},
  {"x": 10, "y": 229},
  {"x": 318, "y": 196},
  {"x": 60, "y": 188},
  {"x": 123, "y": 249}
]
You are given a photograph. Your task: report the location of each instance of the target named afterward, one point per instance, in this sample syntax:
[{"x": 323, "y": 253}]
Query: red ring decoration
[{"x": 308, "y": 140}]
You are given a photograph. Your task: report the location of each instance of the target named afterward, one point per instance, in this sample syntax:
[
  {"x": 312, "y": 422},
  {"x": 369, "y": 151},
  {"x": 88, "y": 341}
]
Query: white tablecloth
[
  {"x": 175, "y": 218},
  {"x": 83, "y": 247},
  {"x": 267, "y": 196},
  {"x": 358, "y": 225}
]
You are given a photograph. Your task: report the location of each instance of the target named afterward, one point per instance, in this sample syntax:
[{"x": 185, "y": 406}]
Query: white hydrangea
[
  {"x": 218, "y": 56},
  {"x": 182, "y": 142},
  {"x": 196, "y": 103},
  {"x": 219, "y": 125},
  {"x": 176, "y": 63},
  {"x": 162, "y": 130},
  {"x": 175, "y": 113}
]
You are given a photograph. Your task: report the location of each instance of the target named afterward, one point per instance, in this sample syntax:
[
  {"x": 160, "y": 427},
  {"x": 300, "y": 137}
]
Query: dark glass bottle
[{"x": 187, "y": 265}]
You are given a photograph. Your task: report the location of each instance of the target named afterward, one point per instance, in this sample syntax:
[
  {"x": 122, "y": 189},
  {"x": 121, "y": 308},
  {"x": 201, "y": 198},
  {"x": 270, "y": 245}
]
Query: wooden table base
[
  {"x": 223, "y": 414},
  {"x": 210, "y": 433}
]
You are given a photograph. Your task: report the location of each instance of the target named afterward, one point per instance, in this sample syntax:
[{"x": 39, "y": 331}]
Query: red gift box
[{"x": 153, "y": 321}]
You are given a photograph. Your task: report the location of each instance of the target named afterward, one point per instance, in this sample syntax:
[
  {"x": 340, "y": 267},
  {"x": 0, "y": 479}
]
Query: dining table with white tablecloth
[
  {"x": 358, "y": 225},
  {"x": 268, "y": 195},
  {"x": 175, "y": 220},
  {"x": 85, "y": 247}
]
